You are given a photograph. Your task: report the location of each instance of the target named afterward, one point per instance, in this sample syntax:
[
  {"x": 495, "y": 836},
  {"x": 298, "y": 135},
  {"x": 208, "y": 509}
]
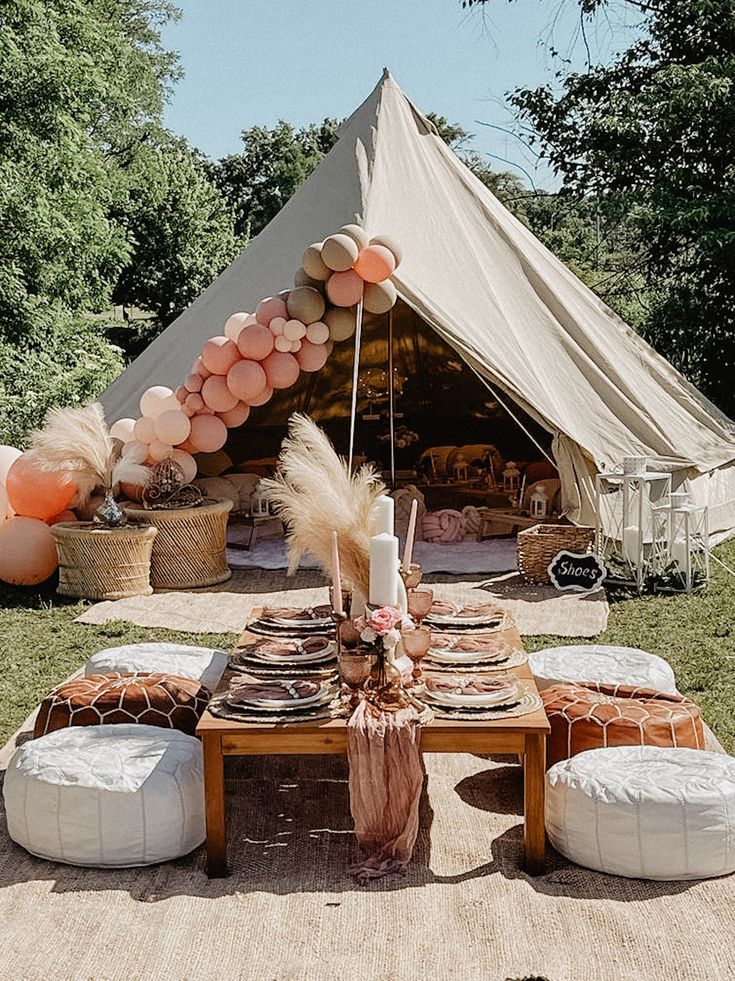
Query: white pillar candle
[
  {"x": 382, "y": 516},
  {"x": 383, "y": 570},
  {"x": 680, "y": 554},
  {"x": 630, "y": 544},
  {"x": 336, "y": 578},
  {"x": 410, "y": 535}
]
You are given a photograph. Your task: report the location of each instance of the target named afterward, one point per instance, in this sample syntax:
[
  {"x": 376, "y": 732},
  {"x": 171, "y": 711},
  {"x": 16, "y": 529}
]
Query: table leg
[
  {"x": 214, "y": 801},
  {"x": 534, "y": 771}
]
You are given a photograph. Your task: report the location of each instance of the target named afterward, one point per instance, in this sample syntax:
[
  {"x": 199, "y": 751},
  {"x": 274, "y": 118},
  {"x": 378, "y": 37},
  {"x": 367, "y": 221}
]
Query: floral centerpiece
[{"x": 379, "y": 631}]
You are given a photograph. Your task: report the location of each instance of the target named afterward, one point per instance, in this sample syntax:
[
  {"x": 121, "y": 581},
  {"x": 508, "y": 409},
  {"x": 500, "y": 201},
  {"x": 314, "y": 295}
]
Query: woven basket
[
  {"x": 538, "y": 545},
  {"x": 189, "y": 550},
  {"x": 103, "y": 563}
]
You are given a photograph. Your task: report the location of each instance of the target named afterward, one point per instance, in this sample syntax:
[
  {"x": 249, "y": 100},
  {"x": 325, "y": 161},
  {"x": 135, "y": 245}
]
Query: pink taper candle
[
  {"x": 336, "y": 578},
  {"x": 410, "y": 535}
]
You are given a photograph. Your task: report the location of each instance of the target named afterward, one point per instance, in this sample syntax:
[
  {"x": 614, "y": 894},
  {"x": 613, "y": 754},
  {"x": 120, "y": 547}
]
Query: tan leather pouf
[{"x": 594, "y": 716}]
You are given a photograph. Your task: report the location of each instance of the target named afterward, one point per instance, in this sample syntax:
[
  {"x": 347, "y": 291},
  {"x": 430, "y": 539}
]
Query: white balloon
[
  {"x": 123, "y": 430},
  {"x": 235, "y": 323},
  {"x": 317, "y": 333},
  {"x": 294, "y": 330},
  {"x": 282, "y": 343},
  {"x": 156, "y": 400}
]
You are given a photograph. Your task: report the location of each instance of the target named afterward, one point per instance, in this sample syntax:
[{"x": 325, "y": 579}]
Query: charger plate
[
  {"x": 330, "y": 710},
  {"x": 266, "y": 628},
  {"x": 268, "y": 669},
  {"x": 489, "y": 623},
  {"x": 517, "y": 658},
  {"x": 529, "y": 702}
]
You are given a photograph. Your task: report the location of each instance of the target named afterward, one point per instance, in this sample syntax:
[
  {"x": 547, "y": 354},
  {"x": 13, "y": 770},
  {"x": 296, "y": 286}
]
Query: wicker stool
[
  {"x": 103, "y": 563},
  {"x": 190, "y": 548}
]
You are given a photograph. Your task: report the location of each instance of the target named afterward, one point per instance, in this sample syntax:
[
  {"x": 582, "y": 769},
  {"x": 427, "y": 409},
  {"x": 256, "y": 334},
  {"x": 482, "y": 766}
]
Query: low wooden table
[{"x": 525, "y": 736}]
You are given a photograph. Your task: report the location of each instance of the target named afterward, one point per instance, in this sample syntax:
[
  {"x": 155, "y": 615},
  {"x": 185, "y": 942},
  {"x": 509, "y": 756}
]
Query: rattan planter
[
  {"x": 103, "y": 563},
  {"x": 538, "y": 545},
  {"x": 189, "y": 550}
]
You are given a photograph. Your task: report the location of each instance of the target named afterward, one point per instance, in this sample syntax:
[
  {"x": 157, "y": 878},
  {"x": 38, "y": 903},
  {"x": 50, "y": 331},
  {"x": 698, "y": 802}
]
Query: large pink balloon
[
  {"x": 187, "y": 463},
  {"x": 281, "y": 369},
  {"x": 8, "y": 456},
  {"x": 172, "y": 427},
  {"x": 270, "y": 307},
  {"x": 219, "y": 354},
  {"x": 344, "y": 289},
  {"x": 194, "y": 403},
  {"x": 235, "y": 417},
  {"x": 27, "y": 551},
  {"x": 311, "y": 357},
  {"x": 246, "y": 380},
  {"x": 375, "y": 263},
  {"x": 208, "y": 434},
  {"x": 156, "y": 400},
  {"x": 265, "y": 396},
  {"x": 144, "y": 429},
  {"x": 217, "y": 395},
  {"x": 36, "y": 493},
  {"x": 122, "y": 430},
  {"x": 255, "y": 342},
  {"x": 194, "y": 383}
]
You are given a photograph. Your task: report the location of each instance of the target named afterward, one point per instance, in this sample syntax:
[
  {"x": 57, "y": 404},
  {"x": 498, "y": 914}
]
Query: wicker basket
[
  {"x": 103, "y": 563},
  {"x": 190, "y": 548},
  {"x": 538, "y": 545}
]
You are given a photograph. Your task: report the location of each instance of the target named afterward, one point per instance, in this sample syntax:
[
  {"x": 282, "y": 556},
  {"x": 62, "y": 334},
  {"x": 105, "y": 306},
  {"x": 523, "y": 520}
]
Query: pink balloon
[
  {"x": 265, "y": 396},
  {"x": 156, "y": 400},
  {"x": 246, "y": 380},
  {"x": 375, "y": 263},
  {"x": 194, "y": 403},
  {"x": 8, "y": 456},
  {"x": 27, "y": 551},
  {"x": 281, "y": 369},
  {"x": 181, "y": 394},
  {"x": 172, "y": 427},
  {"x": 194, "y": 383},
  {"x": 187, "y": 463},
  {"x": 235, "y": 417},
  {"x": 219, "y": 354},
  {"x": 122, "y": 430},
  {"x": 255, "y": 342},
  {"x": 186, "y": 447},
  {"x": 217, "y": 395},
  {"x": 198, "y": 368},
  {"x": 208, "y": 434},
  {"x": 344, "y": 289},
  {"x": 311, "y": 357},
  {"x": 270, "y": 307},
  {"x": 205, "y": 411},
  {"x": 235, "y": 323},
  {"x": 144, "y": 430},
  {"x": 158, "y": 450}
]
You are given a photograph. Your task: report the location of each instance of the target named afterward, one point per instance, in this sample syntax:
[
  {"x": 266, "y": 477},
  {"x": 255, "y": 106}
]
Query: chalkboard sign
[{"x": 578, "y": 573}]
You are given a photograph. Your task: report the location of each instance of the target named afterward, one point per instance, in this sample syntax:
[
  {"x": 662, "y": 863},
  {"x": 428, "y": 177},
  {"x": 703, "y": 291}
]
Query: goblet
[
  {"x": 354, "y": 669},
  {"x": 412, "y": 576},
  {"x": 416, "y": 644},
  {"x": 419, "y": 603}
]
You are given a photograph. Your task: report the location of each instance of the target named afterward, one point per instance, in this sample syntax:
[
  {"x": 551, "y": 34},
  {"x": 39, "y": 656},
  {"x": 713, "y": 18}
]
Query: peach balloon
[
  {"x": 219, "y": 354},
  {"x": 135, "y": 451},
  {"x": 156, "y": 400},
  {"x": 344, "y": 289},
  {"x": 216, "y": 393},
  {"x": 8, "y": 456},
  {"x": 158, "y": 450},
  {"x": 277, "y": 326},
  {"x": 62, "y": 516},
  {"x": 313, "y": 264},
  {"x": 282, "y": 343},
  {"x": 198, "y": 369},
  {"x": 270, "y": 307},
  {"x": 375, "y": 264},
  {"x": 255, "y": 342},
  {"x": 194, "y": 383},
  {"x": 294, "y": 330},
  {"x": 36, "y": 493},
  {"x": 339, "y": 252},
  {"x": 123, "y": 430},
  {"x": 194, "y": 403},
  {"x": 312, "y": 357},
  {"x": 172, "y": 427},
  {"x": 342, "y": 322},
  {"x": 305, "y": 304},
  {"x": 281, "y": 369},
  {"x": 208, "y": 434},
  {"x": 205, "y": 411},
  {"x": 295, "y": 346},
  {"x": 181, "y": 394},
  {"x": 5, "y": 509},
  {"x": 389, "y": 244},
  {"x": 187, "y": 463},
  {"x": 379, "y": 297},
  {"x": 235, "y": 417},
  {"x": 246, "y": 380},
  {"x": 317, "y": 333},
  {"x": 27, "y": 551},
  {"x": 186, "y": 447},
  {"x": 265, "y": 396},
  {"x": 235, "y": 323},
  {"x": 144, "y": 429}
]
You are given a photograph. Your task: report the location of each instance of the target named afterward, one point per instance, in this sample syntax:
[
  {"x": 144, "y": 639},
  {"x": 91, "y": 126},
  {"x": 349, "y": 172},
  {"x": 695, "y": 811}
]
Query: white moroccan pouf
[
  {"x": 644, "y": 812},
  {"x": 603, "y": 663},
  {"x": 204, "y": 664},
  {"x": 107, "y": 796}
]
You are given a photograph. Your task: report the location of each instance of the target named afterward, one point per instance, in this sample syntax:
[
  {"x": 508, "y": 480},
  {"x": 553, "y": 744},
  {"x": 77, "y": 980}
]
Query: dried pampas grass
[
  {"x": 77, "y": 442},
  {"x": 314, "y": 493}
]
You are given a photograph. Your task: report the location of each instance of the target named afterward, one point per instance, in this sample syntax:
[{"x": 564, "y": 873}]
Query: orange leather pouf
[{"x": 592, "y": 716}]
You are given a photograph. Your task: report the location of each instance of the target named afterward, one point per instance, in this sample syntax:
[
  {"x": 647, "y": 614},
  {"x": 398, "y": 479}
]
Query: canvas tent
[{"x": 491, "y": 291}]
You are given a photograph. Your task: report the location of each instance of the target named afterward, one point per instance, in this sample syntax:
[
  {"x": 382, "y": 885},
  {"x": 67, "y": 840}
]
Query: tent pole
[
  {"x": 391, "y": 403},
  {"x": 355, "y": 377}
]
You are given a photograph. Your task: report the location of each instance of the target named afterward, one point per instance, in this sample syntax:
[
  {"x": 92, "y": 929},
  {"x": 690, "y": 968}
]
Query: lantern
[
  {"x": 682, "y": 542},
  {"x": 539, "y": 502},
  {"x": 258, "y": 504},
  {"x": 511, "y": 479}
]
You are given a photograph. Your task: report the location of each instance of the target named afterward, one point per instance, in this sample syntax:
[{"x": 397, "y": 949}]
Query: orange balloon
[
  {"x": 36, "y": 493},
  {"x": 27, "y": 551},
  {"x": 63, "y": 516},
  {"x": 375, "y": 263}
]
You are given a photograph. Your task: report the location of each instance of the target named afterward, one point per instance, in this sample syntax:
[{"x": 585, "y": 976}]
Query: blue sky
[{"x": 250, "y": 62}]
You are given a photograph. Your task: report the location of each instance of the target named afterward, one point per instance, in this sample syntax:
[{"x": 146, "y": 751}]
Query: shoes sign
[{"x": 576, "y": 572}]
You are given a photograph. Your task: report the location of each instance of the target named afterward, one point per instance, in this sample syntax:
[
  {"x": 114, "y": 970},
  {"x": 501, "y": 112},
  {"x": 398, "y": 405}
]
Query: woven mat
[{"x": 225, "y": 609}]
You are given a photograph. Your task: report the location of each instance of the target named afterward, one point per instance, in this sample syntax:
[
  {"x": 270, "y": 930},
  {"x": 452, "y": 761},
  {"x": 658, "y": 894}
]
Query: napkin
[
  {"x": 277, "y": 691},
  {"x": 469, "y": 685},
  {"x": 443, "y": 608},
  {"x": 482, "y": 643},
  {"x": 294, "y": 613}
]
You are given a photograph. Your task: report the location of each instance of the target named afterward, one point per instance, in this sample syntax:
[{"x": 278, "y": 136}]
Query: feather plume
[
  {"x": 77, "y": 443},
  {"x": 314, "y": 493}
]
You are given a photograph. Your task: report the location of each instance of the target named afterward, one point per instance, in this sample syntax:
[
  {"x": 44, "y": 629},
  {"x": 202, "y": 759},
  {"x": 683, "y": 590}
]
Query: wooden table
[{"x": 525, "y": 736}]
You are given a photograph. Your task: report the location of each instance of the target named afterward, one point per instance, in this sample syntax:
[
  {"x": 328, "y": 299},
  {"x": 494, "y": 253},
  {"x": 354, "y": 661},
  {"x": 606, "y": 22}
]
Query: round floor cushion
[
  {"x": 592, "y": 716},
  {"x": 604, "y": 663},
  {"x": 162, "y": 700},
  {"x": 204, "y": 664},
  {"x": 107, "y": 795},
  {"x": 645, "y": 812}
]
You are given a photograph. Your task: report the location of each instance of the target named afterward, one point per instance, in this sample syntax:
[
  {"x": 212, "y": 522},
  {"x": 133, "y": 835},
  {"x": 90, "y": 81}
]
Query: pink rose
[{"x": 383, "y": 620}]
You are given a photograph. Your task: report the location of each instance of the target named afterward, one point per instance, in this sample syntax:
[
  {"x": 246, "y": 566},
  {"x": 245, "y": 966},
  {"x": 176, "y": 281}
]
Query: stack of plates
[
  {"x": 317, "y": 619},
  {"x": 502, "y": 696},
  {"x": 468, "y": 619},
  {"x": 276, "y": 700},
  {"x": 288, "y": 657},
  {"x": 456, "y": 653}
]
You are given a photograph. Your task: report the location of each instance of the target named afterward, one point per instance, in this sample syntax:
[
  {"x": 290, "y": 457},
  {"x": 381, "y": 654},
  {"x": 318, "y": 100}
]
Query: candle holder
[
  {"x": 412, "y": 576},
  {"x": 416, "y": 645}
]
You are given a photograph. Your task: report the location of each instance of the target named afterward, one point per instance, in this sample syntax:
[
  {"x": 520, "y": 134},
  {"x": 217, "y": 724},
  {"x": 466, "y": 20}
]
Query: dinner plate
[
  {"x": 467, "y": 657},
  {"x": 505, "y": 696},
  {"x": 296, "y": 656},
  {"x": 278, "y": 704},
  {"x": 488, "y": 621},
  {"x": 267, "y": 628}
]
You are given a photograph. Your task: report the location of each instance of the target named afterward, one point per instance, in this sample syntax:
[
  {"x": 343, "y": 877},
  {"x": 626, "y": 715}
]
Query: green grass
[{"x": 40, "y": 645}]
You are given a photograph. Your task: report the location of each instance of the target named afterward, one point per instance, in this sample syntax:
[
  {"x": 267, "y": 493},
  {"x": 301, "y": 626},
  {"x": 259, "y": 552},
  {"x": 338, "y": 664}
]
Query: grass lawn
[{"x": 40, "y": 645}]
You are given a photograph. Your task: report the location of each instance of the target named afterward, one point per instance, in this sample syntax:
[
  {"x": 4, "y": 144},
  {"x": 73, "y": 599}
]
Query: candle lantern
[
  {"x": 682, "y": 542},
  {"x": 625, "y": 533},
  {"x": 511, "y": 479},
  {"x": 539, "y": 502},
  {"x": 258, "y": 504}
]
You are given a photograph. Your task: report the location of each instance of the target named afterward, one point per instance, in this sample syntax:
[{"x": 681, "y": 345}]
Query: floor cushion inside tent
[
  {"x": 164, "y": 700},
  {"x": 112, "y": 796},
  {"x": 603, "y": 663},
  {"x": 592, "y": 716},
  {"x": 203, "y": 664},
  {"x": 644, "y": 812}
]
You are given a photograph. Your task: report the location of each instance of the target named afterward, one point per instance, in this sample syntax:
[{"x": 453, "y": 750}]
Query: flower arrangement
[{"x": 379, "y": 628}]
